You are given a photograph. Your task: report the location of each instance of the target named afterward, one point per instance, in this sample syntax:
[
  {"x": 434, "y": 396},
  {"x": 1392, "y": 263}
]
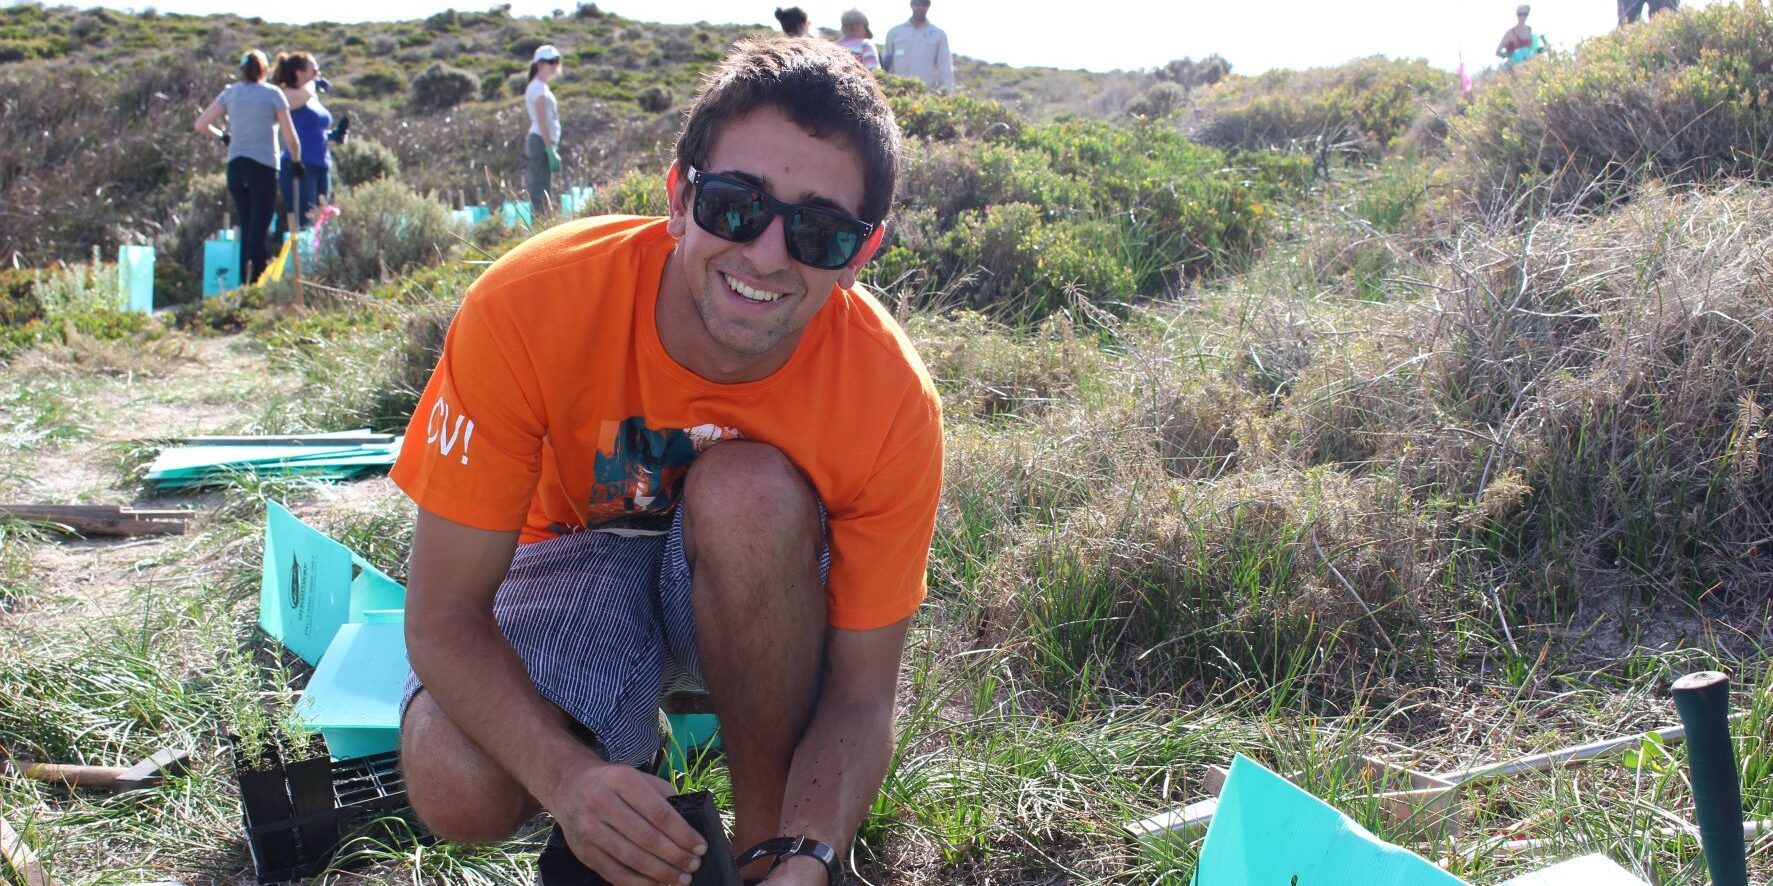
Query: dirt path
[{"x": 76, "y": 431}]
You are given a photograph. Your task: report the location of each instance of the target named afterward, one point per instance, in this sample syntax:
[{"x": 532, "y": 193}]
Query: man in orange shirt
[{"x": 663, "y": 452}]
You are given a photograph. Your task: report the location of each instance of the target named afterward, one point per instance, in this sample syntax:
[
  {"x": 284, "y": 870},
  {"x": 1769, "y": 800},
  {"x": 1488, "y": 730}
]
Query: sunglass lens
[
  {"x": 731, "y": 212},
  {"x": 823, "y": 241}
]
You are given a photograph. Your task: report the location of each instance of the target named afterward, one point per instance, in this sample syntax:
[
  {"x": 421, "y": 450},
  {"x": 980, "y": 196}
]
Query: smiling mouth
[{"x": 748, "y": 292}]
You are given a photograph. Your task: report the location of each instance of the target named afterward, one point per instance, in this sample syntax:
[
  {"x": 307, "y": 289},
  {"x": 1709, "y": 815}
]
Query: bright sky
[{"x": 1254, "y": 35}]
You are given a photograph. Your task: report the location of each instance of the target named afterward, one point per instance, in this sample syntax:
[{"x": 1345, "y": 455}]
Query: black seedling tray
[{"x": 293, "y": 813}]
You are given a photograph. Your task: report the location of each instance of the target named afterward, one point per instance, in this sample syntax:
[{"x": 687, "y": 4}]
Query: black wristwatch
[{"x": 784, "y": 848}]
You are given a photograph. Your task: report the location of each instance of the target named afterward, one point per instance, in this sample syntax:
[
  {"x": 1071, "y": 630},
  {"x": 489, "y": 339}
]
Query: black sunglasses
[{"x": 735, "y": 211}]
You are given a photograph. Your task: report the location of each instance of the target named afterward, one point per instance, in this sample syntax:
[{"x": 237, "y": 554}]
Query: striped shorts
[{"x": 605, "y": 625}]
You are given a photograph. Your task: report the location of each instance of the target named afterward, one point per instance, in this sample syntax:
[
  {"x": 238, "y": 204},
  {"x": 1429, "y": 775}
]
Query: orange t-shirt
[{"x": 555, "y": 409}]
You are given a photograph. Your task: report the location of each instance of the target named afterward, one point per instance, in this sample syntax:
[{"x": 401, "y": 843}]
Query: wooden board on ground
[
  {"x": 20, "y": 857},
  {"x": 110, "y": 520}
]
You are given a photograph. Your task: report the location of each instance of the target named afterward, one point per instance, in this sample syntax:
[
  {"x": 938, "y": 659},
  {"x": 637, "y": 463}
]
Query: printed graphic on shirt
[
  {"x": 637, "y": 476},
  {"x": 450, "y": 431}
]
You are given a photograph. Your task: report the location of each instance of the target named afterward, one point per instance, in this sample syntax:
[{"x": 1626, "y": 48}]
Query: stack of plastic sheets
[{"x": 209, "y": 461}]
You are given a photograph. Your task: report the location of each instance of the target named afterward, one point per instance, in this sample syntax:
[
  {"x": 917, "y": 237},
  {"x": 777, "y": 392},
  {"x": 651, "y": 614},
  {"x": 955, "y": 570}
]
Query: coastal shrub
[
  {"x": 1680, "y": 98},
  {"x": 382, "y": 228},
  {"x": 1115, "y": 213},
  {"x": 1158, "y": 102},
  {"x": 1371, "y": 101},
  {"x": 362, "y": 160},
  {"x": 636, "y": 193},
  {"x": 204, "y": 209},
  {"x": 922, "y": 113},
  {"x": 440, "y": 87},
  {"x": 378, "y": 80},
  {"x": 654, "y": 99}
]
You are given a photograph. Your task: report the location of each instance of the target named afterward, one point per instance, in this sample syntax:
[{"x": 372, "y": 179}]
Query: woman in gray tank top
[{"x": 257, "y": 113}]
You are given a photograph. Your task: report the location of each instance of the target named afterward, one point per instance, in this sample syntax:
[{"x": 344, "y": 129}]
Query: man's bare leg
[
  {"x": 458, "y": 791},
  {"x": 752, "y": 536}
]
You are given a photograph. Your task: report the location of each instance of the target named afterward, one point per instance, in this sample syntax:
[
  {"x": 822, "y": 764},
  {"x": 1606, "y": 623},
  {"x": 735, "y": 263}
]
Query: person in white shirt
[
  {"x": 541, "y": 148},
  {"x": 920, "y": 49}
]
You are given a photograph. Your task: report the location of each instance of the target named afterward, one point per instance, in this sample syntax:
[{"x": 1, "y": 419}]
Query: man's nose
[{"x": 769, "y": 252}]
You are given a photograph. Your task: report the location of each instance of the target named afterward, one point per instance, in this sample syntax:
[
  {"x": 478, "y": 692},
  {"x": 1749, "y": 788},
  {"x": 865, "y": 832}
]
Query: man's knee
[
  {"x": 452, "y": 785},
  {"x": 743, "y": 483}
]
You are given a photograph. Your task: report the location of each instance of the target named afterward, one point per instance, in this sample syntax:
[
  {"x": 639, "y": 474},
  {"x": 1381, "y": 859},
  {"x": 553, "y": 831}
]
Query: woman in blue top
[
  {"x": 257, "y": 113},
  {"x": 297, "y": 74}
]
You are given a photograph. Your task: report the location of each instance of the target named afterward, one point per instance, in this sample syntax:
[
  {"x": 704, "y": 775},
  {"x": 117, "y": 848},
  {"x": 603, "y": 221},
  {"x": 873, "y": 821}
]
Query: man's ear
[
  {"x": 677, "y": 215},
  {"x": 863, "y": 255}
]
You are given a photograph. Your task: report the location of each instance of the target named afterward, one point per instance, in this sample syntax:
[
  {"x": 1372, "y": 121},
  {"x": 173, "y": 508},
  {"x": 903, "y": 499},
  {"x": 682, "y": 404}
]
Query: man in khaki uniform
[{"x": 919, "y": 49}]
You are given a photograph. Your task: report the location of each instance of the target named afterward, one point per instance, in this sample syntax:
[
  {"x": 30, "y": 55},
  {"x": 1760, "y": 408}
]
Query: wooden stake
[
  {"x": 295, "y": 257},
  {"x": 19, "y": 855}
]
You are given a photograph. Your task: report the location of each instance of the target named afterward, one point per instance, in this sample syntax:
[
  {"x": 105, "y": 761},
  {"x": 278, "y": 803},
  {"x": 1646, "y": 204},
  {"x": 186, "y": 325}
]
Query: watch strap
[{"x": 784, "y": 848}]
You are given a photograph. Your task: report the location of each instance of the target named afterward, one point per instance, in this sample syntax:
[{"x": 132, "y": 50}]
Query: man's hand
[{"x": 617, "y": 822}]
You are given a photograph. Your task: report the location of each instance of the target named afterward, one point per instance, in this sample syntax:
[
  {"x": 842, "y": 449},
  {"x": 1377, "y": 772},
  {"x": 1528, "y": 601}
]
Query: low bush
[
  {"x": 1016, "y": 226},
  {"x": 1158, "y": 102},
  {"x": 936, "y": 116},
  {"x": 440, "y": 87},
  {"x": 204, "y": 209},
  {"x": 378, "y": 81},
  {"x": 654, "y": 99},
  {"x": 636, "y": 193},
  {"x": 382, "y": 228},
  {"x": 1370, "y": 101},
  {"x": 360, "y": 161},
  {"x": 1680, "y": 98}
]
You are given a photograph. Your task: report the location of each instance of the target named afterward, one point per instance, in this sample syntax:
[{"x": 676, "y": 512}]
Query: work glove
[
  {"x": 321, "y": 84},
  {"x": 297, "y": 169},
  {"x": 340, "y": 131},
  {"x": 226, "y": 138},
  {"x": 553, "y": 159}
]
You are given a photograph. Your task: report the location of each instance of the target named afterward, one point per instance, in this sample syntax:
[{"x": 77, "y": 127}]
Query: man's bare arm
[
  {"x": 456, "y": 649},
  {"x": 844, "y": 755},
  {"x": 477, "y": 680}
]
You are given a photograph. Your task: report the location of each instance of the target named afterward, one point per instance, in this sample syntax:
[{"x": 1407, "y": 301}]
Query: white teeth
[{"x": 749, "y": 292}]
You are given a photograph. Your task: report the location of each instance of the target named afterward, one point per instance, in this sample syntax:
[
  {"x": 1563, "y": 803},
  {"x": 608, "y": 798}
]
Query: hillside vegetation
[{"x": 1303, "y": 414}]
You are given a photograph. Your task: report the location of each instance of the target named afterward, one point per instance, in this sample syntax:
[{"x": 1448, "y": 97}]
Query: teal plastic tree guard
[
  {"x": 576, "y": 201},
  {"x": 135, "y": 278},
  {"x": 1267, "y": 830},
  {"x": 221, "y": 264},
  {"x": 353, "y": 699},
  {"x": 311, "y": 586},
  {"x": 689, "y": 732},
  {"x": 518, "y": 213},
  {"x": 469, "y": 216}
]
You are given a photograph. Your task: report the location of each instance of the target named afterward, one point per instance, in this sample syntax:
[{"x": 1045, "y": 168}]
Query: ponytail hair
[
  {"x": 252, "y": 66},
  {"x": 533, "y": 68},
  {"x": 289, "y": 65}
]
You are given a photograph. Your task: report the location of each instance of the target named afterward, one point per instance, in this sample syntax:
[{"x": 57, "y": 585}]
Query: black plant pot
[
  {"x": 559, "y": 867},
  {"x": 264, "y": 796},
  {"x": 310, "y": 791}
]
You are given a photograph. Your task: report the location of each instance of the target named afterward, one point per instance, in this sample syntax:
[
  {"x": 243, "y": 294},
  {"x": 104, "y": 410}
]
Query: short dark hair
[
  {"x": 815, "y": 83},
  {"x": 792, "y": 19}
]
